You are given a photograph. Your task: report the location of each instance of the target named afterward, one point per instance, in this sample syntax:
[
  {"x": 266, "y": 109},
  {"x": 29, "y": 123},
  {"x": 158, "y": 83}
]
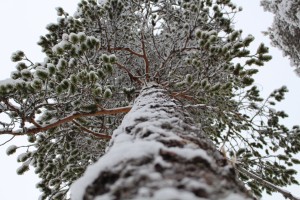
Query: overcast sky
[{"x": 22, "y": 22}]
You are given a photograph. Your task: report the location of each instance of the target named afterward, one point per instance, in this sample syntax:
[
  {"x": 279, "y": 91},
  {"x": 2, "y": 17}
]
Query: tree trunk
[{"x": 158, "y": 153}]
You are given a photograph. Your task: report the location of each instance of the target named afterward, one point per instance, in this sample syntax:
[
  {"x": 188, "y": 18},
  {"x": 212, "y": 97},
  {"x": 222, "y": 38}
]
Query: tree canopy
[
  {"x": 97, "y": 61},
  {"x": 285, "y": 30}
]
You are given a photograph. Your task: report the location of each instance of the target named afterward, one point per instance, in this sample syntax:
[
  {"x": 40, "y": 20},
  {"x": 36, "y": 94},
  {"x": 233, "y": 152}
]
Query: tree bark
[{"x": 158, "y": 153}]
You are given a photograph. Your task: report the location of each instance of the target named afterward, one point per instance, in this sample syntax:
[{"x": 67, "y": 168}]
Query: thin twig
[
  {"x": 7, "y": 141},
  {"x": 126, "y": 49}
]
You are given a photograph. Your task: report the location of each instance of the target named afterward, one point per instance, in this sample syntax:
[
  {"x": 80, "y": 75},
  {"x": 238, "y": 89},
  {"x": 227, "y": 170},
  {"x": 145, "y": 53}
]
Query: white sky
[{"x": 22, "y": 22}]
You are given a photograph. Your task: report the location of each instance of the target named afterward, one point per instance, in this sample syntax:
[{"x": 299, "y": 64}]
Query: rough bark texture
[{"x": 158, "y": 153}]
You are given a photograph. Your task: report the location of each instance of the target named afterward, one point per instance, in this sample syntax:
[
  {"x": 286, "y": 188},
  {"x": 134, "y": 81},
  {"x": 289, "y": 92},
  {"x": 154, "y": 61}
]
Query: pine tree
[
  {"x": 285, "y": 30},
  {"x": 195, "y": 126}
]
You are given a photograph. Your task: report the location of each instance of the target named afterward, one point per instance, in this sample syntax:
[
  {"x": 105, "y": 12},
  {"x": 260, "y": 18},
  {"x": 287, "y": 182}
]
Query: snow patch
[
  {"x": 190, "y": 153},
  {"x": 172, "y": 193},
  {"x": 234, "y": 196},
  {"x": 192, "y": 185},
  {"x": 65, "y": 37},
  {"x": 104, "y": 197},
  {"x": 124, "y": 150},
  {"x": 60, "y": 45},
  {"x": 10, "y": 81}
]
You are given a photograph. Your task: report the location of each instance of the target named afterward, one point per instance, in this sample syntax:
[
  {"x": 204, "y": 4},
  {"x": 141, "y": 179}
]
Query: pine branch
[
  {"x": 285, "y": 193},
  {"x": 32, "y": 131}
]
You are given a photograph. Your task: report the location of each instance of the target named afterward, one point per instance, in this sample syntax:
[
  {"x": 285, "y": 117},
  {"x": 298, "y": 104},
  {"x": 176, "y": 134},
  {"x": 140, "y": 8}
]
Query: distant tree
[
  {"x": 195, "y": 122},
  {"x": 285, "y": 30}
]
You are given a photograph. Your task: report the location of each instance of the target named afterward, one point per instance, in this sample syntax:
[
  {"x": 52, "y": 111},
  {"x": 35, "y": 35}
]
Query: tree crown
[{"x": 98, "y": 60}]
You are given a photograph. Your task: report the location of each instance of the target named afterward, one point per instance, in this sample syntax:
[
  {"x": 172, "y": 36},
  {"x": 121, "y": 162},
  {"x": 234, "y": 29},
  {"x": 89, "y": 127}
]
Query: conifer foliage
[
  {"x": 285, "y": 30},
  {"x": 98, "y": 60}
]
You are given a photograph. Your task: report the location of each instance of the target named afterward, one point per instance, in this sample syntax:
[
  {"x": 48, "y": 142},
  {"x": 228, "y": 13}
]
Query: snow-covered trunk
[{"x": 158, "y": 153}]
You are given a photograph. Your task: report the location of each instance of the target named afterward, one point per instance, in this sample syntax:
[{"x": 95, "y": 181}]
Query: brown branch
[
  {"x": 132, "y": 77},
  {"x": 182, "y": 95},
  {"x": 35, "y": 130},
  {"x": 31, "y": 120},
  {"x": 98, "y": 135},
  {"x": 147, "y": 67}
]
